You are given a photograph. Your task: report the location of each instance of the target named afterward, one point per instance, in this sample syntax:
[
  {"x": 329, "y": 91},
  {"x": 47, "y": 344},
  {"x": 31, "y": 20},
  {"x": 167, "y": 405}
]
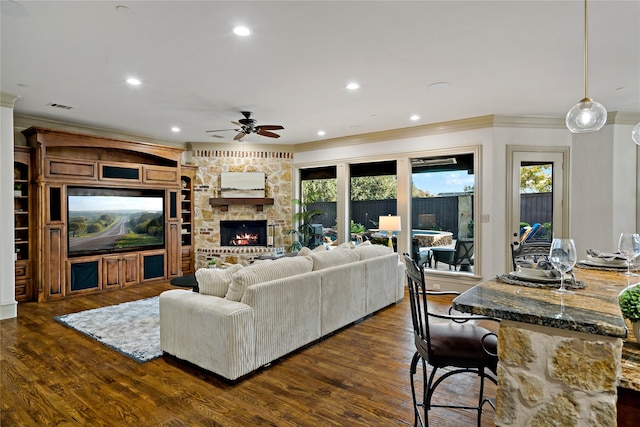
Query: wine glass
[
  {"x": 629, "y": 248},
  {"x": 563, "y": 257}
]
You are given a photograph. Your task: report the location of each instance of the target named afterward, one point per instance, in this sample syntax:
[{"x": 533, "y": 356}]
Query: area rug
[{"x": 131, "y": 328}]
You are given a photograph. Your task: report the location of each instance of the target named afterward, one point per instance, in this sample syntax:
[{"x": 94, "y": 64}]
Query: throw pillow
[
  {"x": 216, "y": 281},
  {"x": 264, "y": 272},
  {"x": 327, "y": 259},
  {"x": 304, "y": 251},
  {"x": 345, "y": 245},
  {"x": 372, "y": 251}
]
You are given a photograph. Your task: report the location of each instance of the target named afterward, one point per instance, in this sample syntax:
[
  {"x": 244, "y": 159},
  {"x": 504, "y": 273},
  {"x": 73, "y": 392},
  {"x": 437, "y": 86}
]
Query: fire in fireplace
[{"x": 243, "y": 233}]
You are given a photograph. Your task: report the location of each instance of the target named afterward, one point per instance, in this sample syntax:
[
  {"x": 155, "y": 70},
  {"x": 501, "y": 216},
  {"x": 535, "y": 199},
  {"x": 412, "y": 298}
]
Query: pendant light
[
  {"x": 587, "y": 115},
  {"x": 635, "y": 134}
]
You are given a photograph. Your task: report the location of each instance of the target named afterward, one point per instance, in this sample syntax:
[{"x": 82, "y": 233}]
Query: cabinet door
[
  {"x": 174, "y": 252},
  {"x": 111, "y": 272},
  {"x": 130, "y": 269},
  {"x": 53, "y": 274}
]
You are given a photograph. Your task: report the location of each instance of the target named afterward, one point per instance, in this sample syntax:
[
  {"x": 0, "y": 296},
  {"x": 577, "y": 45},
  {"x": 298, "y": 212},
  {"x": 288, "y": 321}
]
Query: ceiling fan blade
[
  {"x": 216, "y": 136},
  {"x": 239, "y": 136},
  {"x": 219, "y": 130},
  {"x": 236, "y": 123},
  {"x": 267, "y": 133},
  {"x": 269, "y": 127}
]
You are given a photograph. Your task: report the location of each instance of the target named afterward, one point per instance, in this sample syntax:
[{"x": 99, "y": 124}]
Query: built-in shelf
[{"x": 224, "y": 203}]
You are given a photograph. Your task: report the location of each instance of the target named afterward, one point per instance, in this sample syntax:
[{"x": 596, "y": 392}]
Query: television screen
[{"x": 106, "y": 220}]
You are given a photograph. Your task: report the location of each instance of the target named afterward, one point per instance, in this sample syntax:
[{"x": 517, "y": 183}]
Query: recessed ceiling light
[
  {"x": 242, "y": 31},
  {"x": 175, "y": 129},
  {"x": 439, "y": 85},
  {"x": 321, "y": 133},
  {"x": 414, "y": 117},
  {"x": 133, "y": 81},
  {"x": 353, "y": 86}
]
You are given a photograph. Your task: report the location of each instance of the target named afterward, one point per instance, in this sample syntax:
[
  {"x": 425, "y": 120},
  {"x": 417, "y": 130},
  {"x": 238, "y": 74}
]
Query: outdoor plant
[
  {"x": 630, "y": 303},
  {"x": 304, "y": 218},
  {"x": 356, "y": 227}
]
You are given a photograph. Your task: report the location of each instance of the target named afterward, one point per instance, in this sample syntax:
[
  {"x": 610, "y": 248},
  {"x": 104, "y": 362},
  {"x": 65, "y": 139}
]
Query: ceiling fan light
[
  {"x": 586, "y": 116},
  {"x": 635, "y": 134}
]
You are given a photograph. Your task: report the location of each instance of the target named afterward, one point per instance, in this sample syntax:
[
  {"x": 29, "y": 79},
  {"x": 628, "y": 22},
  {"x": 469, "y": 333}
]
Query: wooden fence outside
[{"x": 535, "y": 207}]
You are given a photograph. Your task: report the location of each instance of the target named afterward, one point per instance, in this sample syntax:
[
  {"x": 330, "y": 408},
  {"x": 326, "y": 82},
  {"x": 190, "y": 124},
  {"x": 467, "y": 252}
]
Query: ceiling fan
[{"x": 249, "y": 125}]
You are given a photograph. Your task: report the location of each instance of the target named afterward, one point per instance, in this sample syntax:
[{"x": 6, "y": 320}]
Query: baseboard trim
[{"x": 9, "y": 310}]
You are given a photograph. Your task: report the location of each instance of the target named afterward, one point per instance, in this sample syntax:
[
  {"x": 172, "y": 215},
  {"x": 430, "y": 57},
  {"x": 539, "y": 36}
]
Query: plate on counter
[
  {"x": 598, "y": 262},
  {"x": 518, "y": 275}
]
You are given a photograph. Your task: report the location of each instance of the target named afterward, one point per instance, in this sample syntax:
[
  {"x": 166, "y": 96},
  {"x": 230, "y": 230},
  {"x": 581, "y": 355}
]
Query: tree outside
[{"x": 536, "y": 179}]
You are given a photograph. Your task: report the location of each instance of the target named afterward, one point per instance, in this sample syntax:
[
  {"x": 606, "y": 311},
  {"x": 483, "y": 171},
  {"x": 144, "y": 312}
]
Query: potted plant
[
  {"x": 212, "y": 263},
  {"x": 17, "y": 190},
  {"x": 629, "y": 300},
  {"x": 306, "y": 231}
]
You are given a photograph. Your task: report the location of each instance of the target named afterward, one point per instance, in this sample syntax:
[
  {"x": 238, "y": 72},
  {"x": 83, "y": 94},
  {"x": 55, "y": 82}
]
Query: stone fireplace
[
  {"x": 243, "y": 233},
  {"x": 209, "y": 220}
]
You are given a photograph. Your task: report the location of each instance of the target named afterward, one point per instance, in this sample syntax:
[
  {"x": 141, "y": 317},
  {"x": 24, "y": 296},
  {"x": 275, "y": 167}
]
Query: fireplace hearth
[{"x": 243, "y": 233}]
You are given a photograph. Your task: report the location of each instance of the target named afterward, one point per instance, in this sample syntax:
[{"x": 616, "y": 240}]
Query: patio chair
[
  {"x": 527, "y": 254},
  {"x": 422, "y": 257},
  {"x": 454, "y": 343},
  {"x": 459, "y": 256}
]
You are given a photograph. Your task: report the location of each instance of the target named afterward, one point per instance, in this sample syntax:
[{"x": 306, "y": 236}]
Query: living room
[{"x": 602, "y": 182}]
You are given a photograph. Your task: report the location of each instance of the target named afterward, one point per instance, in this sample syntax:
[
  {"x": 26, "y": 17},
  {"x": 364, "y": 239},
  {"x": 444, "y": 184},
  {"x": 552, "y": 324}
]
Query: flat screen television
[{"x": 103, "y": 220}]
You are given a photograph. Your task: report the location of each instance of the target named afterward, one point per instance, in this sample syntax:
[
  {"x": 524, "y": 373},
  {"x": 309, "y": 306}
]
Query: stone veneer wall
[
  {"x": 277, "y": 167},
  {"x": 575, "y": 382}
]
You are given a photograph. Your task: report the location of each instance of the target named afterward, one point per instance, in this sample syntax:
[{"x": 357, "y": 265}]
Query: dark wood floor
[{"x": 52, "y": 375}]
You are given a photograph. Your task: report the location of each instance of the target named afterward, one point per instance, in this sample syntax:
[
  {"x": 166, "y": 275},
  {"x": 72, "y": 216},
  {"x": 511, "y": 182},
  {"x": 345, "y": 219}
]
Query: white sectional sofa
[{"x": 246, "y": 317}]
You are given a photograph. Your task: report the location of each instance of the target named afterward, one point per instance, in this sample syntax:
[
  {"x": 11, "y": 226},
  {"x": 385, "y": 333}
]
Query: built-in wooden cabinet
[
  {"x": 186, "y": 218},
  {"x": 63, "y": 164},
  {"x": 22, "y": 222}
]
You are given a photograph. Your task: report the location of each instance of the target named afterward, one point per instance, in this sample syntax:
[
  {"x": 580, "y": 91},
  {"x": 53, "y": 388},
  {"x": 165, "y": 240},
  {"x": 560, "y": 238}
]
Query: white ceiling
[{"x": 501, "y": 57}]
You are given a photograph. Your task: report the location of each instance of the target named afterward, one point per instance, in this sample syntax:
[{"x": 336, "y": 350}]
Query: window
[
  {"x": 442, "y": 205},
  {"x": 318, "y": 194},
  {"x": 373, "y": 190}
]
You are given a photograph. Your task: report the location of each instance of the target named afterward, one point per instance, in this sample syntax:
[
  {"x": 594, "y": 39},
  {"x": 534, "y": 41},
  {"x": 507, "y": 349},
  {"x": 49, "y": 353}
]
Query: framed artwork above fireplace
[{"x": 242, "y": 185}]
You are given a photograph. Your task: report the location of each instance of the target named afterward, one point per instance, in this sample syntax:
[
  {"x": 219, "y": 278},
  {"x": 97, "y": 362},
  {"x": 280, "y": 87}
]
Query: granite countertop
[{"x": 592, "y": 310}]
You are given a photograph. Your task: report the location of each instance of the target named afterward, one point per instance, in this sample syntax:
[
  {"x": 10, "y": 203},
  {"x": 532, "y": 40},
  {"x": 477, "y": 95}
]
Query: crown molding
[
  {"x": 529, "y": 122},
  {"x": 402, "y": 133},
  {"x": 8, "y": 100},
  {"x": 22, "y": 122},
  {"x": 623, "y": 118}
]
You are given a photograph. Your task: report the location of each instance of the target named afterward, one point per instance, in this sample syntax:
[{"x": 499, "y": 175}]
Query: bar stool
[{"x": 454, "y": 342}]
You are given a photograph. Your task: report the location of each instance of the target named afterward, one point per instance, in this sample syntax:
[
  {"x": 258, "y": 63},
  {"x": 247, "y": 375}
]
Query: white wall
[
  {"x": 603, "y": 187},
  {"x": 8, "y": 304}
]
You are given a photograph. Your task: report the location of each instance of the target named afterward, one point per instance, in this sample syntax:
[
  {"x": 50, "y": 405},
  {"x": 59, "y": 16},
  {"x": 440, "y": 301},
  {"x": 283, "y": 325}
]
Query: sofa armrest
[{"x": 214, "y": 333}]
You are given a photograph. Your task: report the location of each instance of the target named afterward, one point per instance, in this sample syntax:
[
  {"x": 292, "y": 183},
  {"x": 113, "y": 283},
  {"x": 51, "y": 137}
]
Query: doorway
[{"x": 537, "y": 194}]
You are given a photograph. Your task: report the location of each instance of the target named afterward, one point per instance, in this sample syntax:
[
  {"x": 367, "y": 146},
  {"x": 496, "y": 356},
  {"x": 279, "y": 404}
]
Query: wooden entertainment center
[{"x": 57, "y": 163}]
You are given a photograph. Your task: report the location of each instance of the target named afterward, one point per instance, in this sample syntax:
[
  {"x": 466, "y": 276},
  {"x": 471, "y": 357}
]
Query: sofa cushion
[
  {"x": 304, "y": 251},
  {"x": 372, "y": 251},
  {"x": 215, "y": 281},
  {"x": 265, "y": 272},
  {"x": 326, "y": 259}
]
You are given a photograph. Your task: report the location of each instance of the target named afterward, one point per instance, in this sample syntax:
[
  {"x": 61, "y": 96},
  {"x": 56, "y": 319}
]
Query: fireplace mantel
[{"x": 224, "y": 203}]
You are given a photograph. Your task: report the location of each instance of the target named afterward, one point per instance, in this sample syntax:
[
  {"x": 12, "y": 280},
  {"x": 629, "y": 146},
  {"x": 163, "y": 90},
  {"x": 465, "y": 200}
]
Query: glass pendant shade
[
  {"x": 635, "y": 134},
  {"x": 586, "y": 116}
]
